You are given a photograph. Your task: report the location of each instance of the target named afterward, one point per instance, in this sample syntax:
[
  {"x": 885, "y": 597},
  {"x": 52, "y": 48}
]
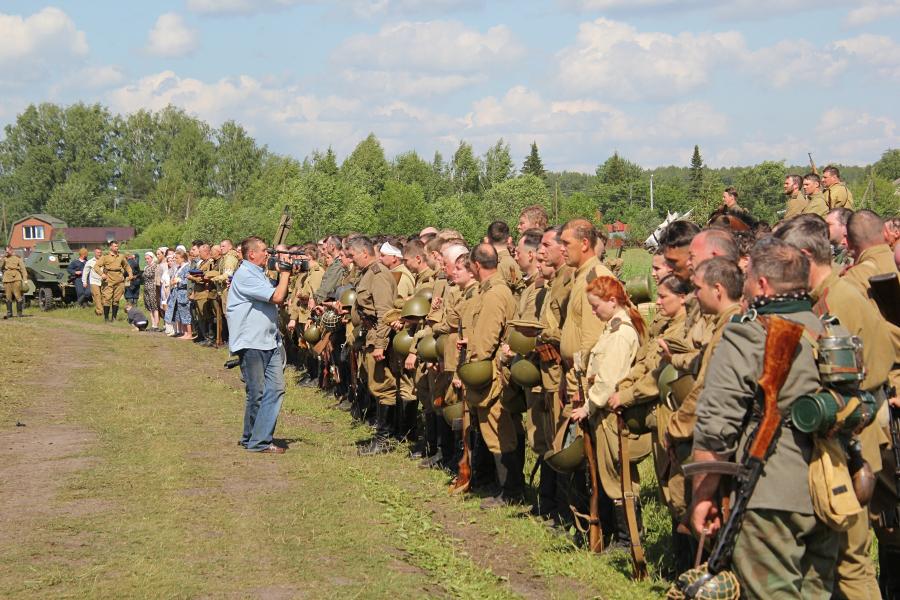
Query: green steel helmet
[
  {"x": 403, "y": 342},
  {"x": 639, "y": 288},
  {"x": 521, "y": 343},
  {"x": 453, "y": 412},
  {"x": 348, "y": 298},
  {"x": 427, "y": 349},
  {"x": 441, "y": 342},
  {"x": 513, "y": 399},
  {"x": 476, "y": 374},
  {"x": 666, "y": 377},
  {"x": 427, "y": 293},
  {"x": 417, "y": 306},
  {"x": 312, "y": 334},
  {"x": 567, "y": 454},
  {"x": 525, "y": 373},
  {"x": 640, "y": 418}
]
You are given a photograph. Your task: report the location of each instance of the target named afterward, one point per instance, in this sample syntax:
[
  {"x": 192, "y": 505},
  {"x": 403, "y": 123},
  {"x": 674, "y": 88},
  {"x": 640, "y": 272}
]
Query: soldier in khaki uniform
[
  {"x": 581, "y": 327},
  {"x": 15, "y": 276},
  {"x": 392, "y": 258},
  {"x": 836, "y": 193},
  {"x": 205, "y": 295},
  {"x": 610, "y": 360},
  {"x": 499, "y": 237},
  {"x": 375, "y": 292},
  {"x": 816, "y": 203},
  {"x": 229, "y": 264},
  {"x": 112, "y": 268},
  {"x": 299, "y": 312},
  {"x": 484, "y": 329},
  {"x": 838, "y": 297},
  {"x": 796, "y": 199},
  {"x": 783, "y": 549},
  {"x": 865, "y": 240}
]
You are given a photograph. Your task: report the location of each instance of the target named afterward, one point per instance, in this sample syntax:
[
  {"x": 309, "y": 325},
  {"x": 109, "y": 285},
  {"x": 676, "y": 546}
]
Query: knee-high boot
[{"x": 106, "y": 313}]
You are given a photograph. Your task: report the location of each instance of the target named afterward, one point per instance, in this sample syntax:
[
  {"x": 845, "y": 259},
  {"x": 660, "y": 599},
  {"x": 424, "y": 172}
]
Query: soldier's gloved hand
[{"x": 410, "y": 363}]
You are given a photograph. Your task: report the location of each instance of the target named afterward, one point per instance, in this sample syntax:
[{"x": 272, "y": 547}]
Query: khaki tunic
[
  {"x": 509, "y": 269},
  {"x": 113, "y": 266},
  {"x": 795, "y": 205},
  {"x": 14, "y": 277},
  {"x": 304, "y": 288},
  {"x": 582, "y": 327},
  {"x": 228, "y": 264},
  {"x": 816, "y": 205},
  {"x": 406, "y": 283},
  {"x": 374, "y": 298},
  {"x": 838, "y": 195}
]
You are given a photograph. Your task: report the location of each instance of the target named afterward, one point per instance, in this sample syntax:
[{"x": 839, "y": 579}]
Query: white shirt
[{"x": 88, "y": 277}]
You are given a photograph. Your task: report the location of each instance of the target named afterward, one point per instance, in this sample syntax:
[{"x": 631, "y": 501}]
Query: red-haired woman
[{"x": 611, "y": 360}]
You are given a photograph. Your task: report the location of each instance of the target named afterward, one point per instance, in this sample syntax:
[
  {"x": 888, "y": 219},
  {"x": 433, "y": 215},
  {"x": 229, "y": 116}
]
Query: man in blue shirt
[{"x": 252, "y": 315}]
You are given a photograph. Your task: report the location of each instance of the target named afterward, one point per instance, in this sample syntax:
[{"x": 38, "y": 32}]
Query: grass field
[{"x": 126, "y": 481}]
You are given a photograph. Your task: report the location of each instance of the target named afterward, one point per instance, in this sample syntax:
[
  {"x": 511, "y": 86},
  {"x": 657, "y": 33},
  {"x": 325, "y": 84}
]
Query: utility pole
[{"x": 651, "y": 191}]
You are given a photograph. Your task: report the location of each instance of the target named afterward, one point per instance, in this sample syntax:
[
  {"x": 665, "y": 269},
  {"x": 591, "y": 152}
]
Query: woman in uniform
[{"x": 611, "y": 360}]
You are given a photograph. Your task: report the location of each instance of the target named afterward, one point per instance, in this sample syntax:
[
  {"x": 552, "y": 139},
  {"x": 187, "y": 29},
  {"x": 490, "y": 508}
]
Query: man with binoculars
[{"x": 252, "y": 315}]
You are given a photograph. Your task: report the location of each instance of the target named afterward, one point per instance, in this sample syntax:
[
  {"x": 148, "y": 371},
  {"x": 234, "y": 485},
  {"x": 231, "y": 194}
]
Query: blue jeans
[{"x": 264, "y": 378}]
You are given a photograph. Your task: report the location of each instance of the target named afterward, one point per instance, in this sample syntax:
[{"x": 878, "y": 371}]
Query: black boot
[
  {"x": 484, "y": 473},
  {"x": 446, "y": 444},
  {"x": 19, "y": 308},
  {"x": 889, "y": 579},
  {"x": 409, "y": 421},
  {"x": 428, "y": 448},
  {"x": 115, "y": 311},
  {"x": 106, "y": 313},
  {"x": 511, "y": 480},
  {"x": 546, "y": 505},
  {"x": 621, "y": 535},
  {"x": 381, "y": 441},
  {"x": 8, "y": 310}
]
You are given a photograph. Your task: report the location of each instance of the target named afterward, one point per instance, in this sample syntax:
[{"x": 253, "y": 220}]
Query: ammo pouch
[
  {"x": 831, "y": 486},
  {"x": 548, "y": 353}
]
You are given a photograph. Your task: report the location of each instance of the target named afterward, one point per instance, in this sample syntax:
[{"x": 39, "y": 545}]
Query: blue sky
[{"x": 747, "y": 80}]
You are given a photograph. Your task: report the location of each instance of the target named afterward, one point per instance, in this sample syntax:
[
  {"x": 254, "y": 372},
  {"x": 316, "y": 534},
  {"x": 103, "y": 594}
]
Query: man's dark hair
[
  {"x": 498, "y": 232},
  {"x": 732, "y": 191},
  {"x": 485, "y": 255},
  {"x": 197, "y": 243},
  {"x": 246, "y": 243},
  {"x": 413, "y": 248},
  {"x": 108, "y": 244},
  {"x": 809, "y": 233},
  {"x": 678, "y": 234},
  {"x": 796, "y": 180},
  {"x": 783, "y": 265},
  {"x": 334, "y": 240},
  {"x": 865, "y": 229},
  {"x": 554, "y": 228},
  {"x": 532, "y": 238},
  {"x": 833, "y": 170},
  {"x": 361, "y": 242},
  {"x": 721, "y": 271},
  {"x": 722, "y": 241},
  {"x": 582, "y": 229},
  {"x": 813, "y": 177},
  {"x": 843, "y": 214}
]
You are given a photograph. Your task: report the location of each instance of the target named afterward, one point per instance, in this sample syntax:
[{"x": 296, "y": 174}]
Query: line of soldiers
[{"x": 477, "y": 354}]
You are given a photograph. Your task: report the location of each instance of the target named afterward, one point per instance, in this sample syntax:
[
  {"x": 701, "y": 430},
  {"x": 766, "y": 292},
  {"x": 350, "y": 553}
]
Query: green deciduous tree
[
  {"x": 505, "y": 200},
  {"x": 238, "y": 160},
  {"x": 465, "y": 170},
  {"x": 498, "y": 165},
  {"x": 367, "y": 167},
  {"x": 402, "y": 209},
  {"x": 888, "y": 166}
]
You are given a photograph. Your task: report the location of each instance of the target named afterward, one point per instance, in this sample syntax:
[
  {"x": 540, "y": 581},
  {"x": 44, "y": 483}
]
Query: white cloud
[
  {"x": 872, "y": 11},
  {"x": 794, "y": 62},
  {"x": 404, "y": 84},
  {"x": 29, "y": 46},
  {"x": 171, "y": 37},
  {"x": 616, "y": 59},
  {"x": 878, "y": 51},
  {"x": 691, "y": 120},
  {"x": 378, "y": 8},
  {"x": 733, "y": 10},
  {"x": 89, "y": 79},
  {"x": 237, "y": 7},
  {"x": 433, "y": 46}
]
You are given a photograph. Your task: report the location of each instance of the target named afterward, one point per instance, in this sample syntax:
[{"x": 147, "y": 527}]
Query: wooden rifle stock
[
  {"x": 460, "y": 484},
  {"x": 595, "y": 532},
  {"x": 812, "y": 163}
]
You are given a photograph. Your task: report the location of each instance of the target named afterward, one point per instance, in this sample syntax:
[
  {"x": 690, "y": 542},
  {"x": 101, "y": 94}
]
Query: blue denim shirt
[{"x": 251, "y": 316}]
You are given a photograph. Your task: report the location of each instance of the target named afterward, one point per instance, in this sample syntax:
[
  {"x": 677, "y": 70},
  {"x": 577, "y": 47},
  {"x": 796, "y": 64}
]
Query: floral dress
[{"x": 151, "y": 301}]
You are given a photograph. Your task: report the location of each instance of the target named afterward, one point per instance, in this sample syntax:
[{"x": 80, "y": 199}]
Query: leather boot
[
  {"x": 546, "y": 505},
  {"x": 446, "y": 442},
  {"x": 381, "y": 442},
  {"x": 484, "y": 473},
  {"x": 19, "y": 308},
  {"x": 409, "y": 421},
  {"x": 106, "y": 313},
  {"x": 510, "y": 478},
  {"x": 431, "y": 454},
  {"x": 8, "y": 310},
  {"x": 889, "y": 579},
  {"x": 621, "y": 535},
  {"x": 115, "y": 311}
]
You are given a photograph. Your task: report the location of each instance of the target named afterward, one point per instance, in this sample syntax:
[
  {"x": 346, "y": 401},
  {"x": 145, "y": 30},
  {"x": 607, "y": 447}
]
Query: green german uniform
[
  {"x": 838, "y": 297},
  {"x": 374, "y": 299},
  {"x": 816, "y": 205},
  {"x": 796, "y": 203},
  {"x": 331, "y": 279},
  {"x": 114, "y": 266},
  {"x": 837, "y": 195},
  {"x": 14, "y": 278},
  {"x": 783, "y": 550}
]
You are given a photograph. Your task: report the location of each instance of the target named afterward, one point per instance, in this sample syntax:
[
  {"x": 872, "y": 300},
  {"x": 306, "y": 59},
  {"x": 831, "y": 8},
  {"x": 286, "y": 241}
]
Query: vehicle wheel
[{"x": 45, "y": 298}]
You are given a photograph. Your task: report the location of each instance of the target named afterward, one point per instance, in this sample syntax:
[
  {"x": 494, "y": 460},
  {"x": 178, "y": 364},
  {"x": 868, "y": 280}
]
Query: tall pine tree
[
  {"x": 533, "y": 164},
  {"x": 696, "y": 175}
]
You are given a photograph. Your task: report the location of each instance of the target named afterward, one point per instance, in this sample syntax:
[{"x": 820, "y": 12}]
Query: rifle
[
  {"x": 595, "y": 531},
  {"x": 812, "y": 163},
  {"x": 781, "y": 342},
  {"x": 460, "y": 484},
  {"x": 629, "y": 504},
  {"x": 284, "y": 225}
]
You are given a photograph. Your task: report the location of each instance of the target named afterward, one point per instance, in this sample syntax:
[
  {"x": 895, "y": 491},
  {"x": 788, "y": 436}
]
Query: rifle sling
[{"x": 628, "y": 502}]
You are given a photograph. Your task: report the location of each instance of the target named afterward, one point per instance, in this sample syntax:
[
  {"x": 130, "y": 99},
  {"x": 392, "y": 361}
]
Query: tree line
[{"x": 174, "y": 177}]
